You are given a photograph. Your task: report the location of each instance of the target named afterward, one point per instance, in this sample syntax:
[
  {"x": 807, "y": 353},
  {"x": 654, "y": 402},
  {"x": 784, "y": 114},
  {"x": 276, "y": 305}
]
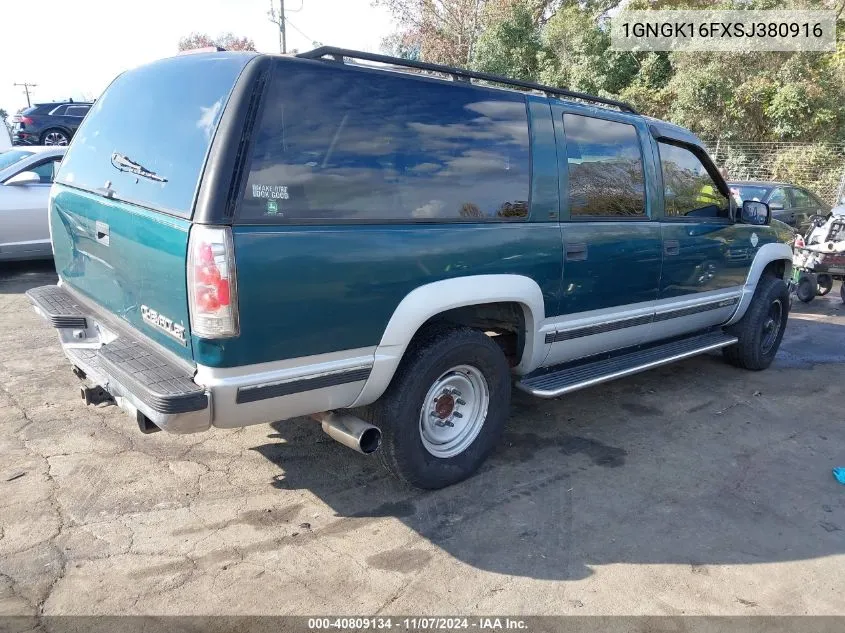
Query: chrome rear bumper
[{"x": 141, "y": 378}]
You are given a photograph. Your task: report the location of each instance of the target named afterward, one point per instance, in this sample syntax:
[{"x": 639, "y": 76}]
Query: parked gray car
[
  {"x": 26, "y": 175},
  {"x": 790, "y": 204}
]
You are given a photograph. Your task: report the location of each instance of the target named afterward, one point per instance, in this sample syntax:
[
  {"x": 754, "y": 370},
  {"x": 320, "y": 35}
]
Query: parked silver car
[{"x": 26, "y": 174}]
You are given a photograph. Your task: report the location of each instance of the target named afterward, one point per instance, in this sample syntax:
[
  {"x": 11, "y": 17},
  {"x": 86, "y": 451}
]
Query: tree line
[{"x": 771, "y": 96}]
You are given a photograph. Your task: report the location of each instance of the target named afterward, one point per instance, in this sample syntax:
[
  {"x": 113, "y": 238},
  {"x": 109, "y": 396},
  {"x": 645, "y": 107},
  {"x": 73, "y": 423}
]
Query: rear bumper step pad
[
  {"x": 58, "y": 307},
  {"x": 574, "y": 376},
  {"x": 162, "y": 385}
]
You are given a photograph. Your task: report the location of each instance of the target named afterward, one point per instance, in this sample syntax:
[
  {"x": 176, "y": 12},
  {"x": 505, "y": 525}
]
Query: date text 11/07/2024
[{"x": 418, "y": 624}]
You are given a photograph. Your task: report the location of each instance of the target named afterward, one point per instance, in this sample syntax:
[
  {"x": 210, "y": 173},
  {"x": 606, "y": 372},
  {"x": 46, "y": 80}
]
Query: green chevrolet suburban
[{"x": 388, "y": 246}]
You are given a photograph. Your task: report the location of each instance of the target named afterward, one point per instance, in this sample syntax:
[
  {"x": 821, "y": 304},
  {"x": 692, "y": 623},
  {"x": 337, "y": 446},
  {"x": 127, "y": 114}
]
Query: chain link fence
[{"x": 820, "y": 167}]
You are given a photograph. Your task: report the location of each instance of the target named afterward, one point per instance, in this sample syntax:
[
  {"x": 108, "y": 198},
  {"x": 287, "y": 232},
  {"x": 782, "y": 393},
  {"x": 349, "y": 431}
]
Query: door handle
[
  {"x": 102, "y": 230},
  {"x": 672, "y": 247},
  {"x": 575, "y": 252}
]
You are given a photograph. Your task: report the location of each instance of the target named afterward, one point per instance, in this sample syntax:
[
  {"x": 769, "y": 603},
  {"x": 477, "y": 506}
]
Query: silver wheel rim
[
  {"x": 453, "y": 411},
  {"x": 55, "y": 138}
]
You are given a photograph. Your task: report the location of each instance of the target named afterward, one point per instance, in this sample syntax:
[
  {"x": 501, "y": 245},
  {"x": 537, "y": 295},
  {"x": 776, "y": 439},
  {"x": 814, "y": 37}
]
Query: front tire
[
  {"x": 445, "y": 408},
  {"x": 761, "y": 329}
]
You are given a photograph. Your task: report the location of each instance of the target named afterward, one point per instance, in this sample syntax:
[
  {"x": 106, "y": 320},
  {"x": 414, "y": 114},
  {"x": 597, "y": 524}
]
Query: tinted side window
[
  {"x": 79, "y": 111},
  {"x": 336, "y": 144},
  {"x": 688, "y": 190},
  {"x": 46, "y": 171},
  {"x": 802, "y": 198},
  {"x": 605, "y": 168},
  {"x": 779, "y": 200},
  {"x": 58, "y": 111}
]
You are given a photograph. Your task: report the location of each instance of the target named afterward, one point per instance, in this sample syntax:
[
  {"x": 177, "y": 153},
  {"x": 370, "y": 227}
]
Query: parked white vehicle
[
  {"x": 26, "y": 174},
  {"x": 5, "y": 138}
]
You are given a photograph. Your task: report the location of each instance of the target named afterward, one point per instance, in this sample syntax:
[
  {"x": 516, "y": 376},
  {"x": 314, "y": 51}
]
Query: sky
[{"x": 74, "y": 49}]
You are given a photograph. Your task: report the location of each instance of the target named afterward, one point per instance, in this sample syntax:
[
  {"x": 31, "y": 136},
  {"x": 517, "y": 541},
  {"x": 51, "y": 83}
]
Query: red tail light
[
  {"x": 25, "y": 120},
  {"x": 212, "y": 288}
]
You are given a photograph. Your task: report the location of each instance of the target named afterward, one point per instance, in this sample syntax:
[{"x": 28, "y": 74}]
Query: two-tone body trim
[
  {"x": 696, "y": 309},
  {"x": 279, "y": 390},
  {"x": 566, "y": 335},
  {"x": 660, "y": 315},
  {"x": 296, "y": 385}
]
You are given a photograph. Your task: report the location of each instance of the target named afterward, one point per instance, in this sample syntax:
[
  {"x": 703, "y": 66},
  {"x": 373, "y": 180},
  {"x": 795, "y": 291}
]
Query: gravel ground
[{"x": 693, "y": 489}]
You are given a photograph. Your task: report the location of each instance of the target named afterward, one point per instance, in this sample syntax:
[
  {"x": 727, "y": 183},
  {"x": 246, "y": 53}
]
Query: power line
[
  {"x": 298, "y": 30},
  {"x": 26, "y": 87}
]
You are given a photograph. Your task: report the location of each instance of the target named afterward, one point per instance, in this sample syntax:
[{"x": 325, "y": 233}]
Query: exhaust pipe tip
[
  {"x": 350, "y": 431},
  {"x": 370, "y": 441}
]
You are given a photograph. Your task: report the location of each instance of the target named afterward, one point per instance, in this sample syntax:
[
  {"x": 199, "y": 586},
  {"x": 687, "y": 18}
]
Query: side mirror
[
  {"x": 24, "y": 178},
  {"x": 756, "y": 213}
]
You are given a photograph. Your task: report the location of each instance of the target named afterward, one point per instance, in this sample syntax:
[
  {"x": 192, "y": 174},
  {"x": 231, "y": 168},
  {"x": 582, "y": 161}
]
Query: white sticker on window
[{"x": 274, "y": 192}]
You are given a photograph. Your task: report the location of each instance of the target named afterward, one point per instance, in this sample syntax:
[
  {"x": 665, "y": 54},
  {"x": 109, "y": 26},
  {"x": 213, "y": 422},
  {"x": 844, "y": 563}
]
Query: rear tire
[
  {"x": 54, "y": 137},
  {"x": 825, "y": 284},
  {"x": 806, "y": 288},
  {"x": 444, "y": 373},
  {"x": 761, "y": 329}
]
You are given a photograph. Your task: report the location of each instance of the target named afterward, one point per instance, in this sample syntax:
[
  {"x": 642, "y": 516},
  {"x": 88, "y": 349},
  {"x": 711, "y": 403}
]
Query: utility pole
[
  {"x": 279, "y": 18},
  {"x": 27, "y": 86}
]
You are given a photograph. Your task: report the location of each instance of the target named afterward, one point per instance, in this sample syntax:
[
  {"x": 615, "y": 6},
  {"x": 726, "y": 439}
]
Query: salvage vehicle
[
  {"x": 819, "y": 258},
  {"x": 388, "y": 249},
  {"x": 790, "y": 204}
]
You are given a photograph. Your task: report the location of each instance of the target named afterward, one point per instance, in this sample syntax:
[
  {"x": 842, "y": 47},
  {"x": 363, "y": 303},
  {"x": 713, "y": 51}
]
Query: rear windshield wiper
[{"x": 124, "y": 163}]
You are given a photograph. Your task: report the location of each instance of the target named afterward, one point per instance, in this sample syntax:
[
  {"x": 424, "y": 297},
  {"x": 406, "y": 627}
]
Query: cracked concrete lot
[{"x": 694, "y": 489}]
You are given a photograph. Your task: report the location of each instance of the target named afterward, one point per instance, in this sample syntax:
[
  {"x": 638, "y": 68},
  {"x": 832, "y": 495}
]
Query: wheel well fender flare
[
  {"x": 768, "y": 253},
  {"x": 57, "y": 128},
  {"x": 425, "y": 302}
]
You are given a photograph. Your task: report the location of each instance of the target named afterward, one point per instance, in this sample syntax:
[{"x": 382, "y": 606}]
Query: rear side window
[
  {"x": 779, "y": 200},
  {"x": 46, "y": 170},
  {"x": 79, "y": 111},
  {"x": 802, "y": 199},
  {"x": 605, "y": 168},
  {"x": 338, "y": 144},
  {"x": 161, "y": 116},
  {"x": 688, "y": 189}
]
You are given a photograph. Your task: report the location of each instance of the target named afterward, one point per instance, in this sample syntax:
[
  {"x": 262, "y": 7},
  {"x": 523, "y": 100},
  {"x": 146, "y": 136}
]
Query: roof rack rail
[{"x": 459, "y": 74}]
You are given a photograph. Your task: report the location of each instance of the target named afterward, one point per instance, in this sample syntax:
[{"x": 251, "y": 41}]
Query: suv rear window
[
  {"x": 38, "y": 108},
  {"x": 339, "y": 144},
  {"x": 161, "y": 116}
]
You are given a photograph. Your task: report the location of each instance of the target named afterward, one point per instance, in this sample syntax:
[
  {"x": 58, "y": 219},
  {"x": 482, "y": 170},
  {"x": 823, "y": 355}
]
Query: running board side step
[{"x": 572, "y": 377}]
